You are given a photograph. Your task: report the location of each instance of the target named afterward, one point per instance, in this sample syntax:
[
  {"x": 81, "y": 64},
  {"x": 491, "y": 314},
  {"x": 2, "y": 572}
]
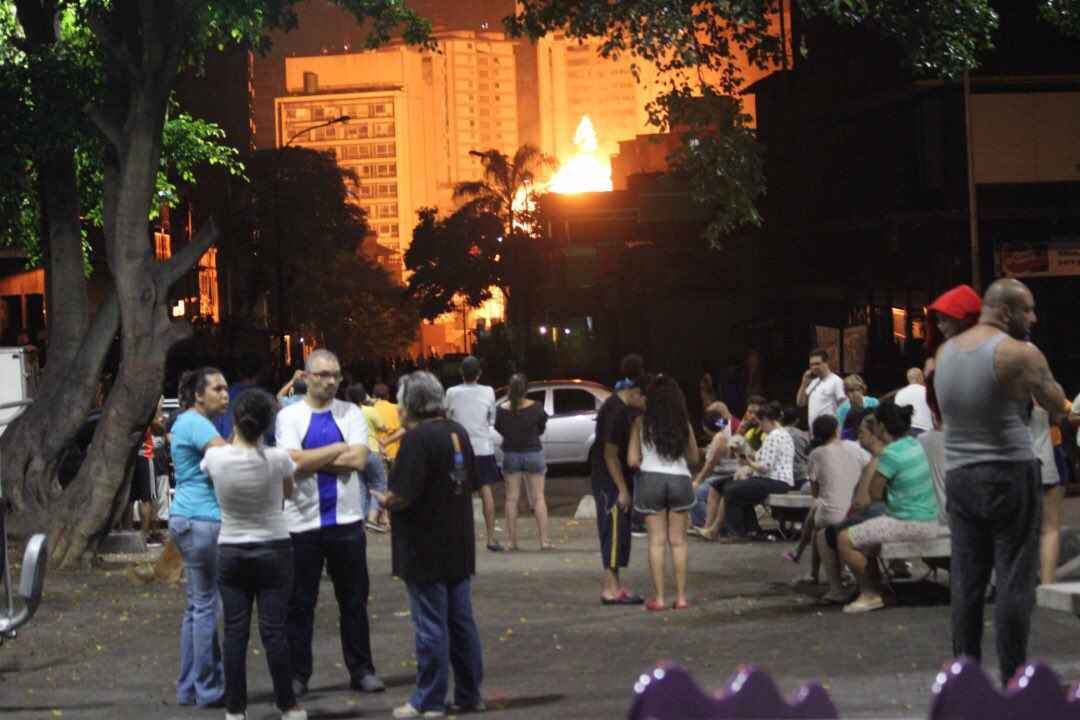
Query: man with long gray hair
[{"x": 433, "y": 549}]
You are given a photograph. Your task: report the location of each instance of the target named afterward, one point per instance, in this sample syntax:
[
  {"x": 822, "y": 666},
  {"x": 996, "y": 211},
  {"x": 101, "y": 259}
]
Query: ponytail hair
[
  {"x": 516, "y": 389},
  {"x": 895, "y": 418},
  {"x": 253, "y": 414},
  {"x": 824, "y": 429}
]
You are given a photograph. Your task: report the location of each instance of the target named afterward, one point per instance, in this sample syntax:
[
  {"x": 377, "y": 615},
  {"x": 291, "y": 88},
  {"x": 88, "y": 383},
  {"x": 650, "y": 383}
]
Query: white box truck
[{"x": 18, "y": 378}]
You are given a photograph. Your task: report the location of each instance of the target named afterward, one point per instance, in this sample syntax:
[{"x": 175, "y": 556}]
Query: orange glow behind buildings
[{"x": 587, "y": 170}]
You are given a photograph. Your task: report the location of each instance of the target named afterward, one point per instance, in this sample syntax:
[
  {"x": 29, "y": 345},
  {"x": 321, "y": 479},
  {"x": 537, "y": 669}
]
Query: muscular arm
[{"x": 1026, "y": 373}]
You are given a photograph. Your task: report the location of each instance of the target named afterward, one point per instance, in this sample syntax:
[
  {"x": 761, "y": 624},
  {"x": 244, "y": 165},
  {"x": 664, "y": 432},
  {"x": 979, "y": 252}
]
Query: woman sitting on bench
[{"x": 911, "y": 506}]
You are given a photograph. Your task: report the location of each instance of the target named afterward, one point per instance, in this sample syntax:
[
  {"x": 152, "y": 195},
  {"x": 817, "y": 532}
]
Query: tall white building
[{"x": 414, "y": 118}]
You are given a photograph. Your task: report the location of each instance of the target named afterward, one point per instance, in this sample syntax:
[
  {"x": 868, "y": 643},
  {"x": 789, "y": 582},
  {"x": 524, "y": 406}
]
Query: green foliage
[
  {"x": 296, "y": 203},
  {"x": 701, "y": 50},
  {"x": 454, "y": 256},
  {"x": 1064, "y": 14},
  {"x": 939, "y": 37}
]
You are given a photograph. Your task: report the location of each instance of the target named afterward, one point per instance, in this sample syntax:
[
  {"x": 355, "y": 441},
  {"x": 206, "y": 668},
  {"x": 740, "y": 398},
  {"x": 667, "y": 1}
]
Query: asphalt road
[{"x": 103, "y": 648}]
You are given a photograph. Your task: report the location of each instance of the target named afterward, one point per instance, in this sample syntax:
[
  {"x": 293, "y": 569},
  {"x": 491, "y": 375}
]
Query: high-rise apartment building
[
  {"x": 575, "y": 81},
  {"x": 414, "y": 117}
]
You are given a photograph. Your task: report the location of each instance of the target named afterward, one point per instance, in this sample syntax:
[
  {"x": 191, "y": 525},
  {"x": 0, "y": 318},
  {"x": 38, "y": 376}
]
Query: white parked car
[{"x": 571, "y": 406}]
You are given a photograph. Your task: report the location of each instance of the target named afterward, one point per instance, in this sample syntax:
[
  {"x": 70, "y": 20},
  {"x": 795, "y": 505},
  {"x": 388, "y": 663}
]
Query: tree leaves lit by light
[{"x": 703, "y": 50}]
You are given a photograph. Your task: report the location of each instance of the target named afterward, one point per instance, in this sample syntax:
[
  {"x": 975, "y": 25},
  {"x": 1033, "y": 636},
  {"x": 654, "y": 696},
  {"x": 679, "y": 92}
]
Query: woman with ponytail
[
  {"x": 911, "y": 511},
  {"x": 255, "y": 552}
]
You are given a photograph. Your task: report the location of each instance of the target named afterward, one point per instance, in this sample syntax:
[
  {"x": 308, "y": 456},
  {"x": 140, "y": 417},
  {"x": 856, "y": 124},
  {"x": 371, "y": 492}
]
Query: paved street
[{"x": 102, "y": 647}]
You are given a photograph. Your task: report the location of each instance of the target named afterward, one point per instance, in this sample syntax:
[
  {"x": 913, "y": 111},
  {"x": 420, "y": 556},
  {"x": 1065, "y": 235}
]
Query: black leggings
[{"x": 741, "y": 496}]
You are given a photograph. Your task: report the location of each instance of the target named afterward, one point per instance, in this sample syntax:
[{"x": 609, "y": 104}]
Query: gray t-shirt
[
  {"x": 473, "y": 407},
  {"x": 802, "y": 449},
  {"x": 836, "y": 469}
]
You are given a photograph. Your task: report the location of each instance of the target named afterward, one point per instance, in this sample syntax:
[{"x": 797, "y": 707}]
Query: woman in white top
[
  {"x": 255, "y": 562},
  {"x": 662, "y": 445}
]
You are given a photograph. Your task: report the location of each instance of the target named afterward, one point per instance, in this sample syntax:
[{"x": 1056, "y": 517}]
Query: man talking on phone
[{"x": 821, "y": 388}]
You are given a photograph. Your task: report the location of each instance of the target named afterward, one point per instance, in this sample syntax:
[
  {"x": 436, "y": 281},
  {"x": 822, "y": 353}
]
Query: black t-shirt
[
  {"x": 432, "y": 538},
  {"x": 612, "y": 426},
  {"x": 521, "y": 430}
]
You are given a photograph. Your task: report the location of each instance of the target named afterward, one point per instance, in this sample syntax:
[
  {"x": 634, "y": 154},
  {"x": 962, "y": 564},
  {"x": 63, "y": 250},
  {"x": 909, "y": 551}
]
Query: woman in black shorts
[{"x": 662, "y": 447}]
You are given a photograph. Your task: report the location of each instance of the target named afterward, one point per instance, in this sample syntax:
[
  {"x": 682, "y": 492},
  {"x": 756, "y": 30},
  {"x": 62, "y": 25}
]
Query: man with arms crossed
[
  {"x": 985, "y": 380},
  {"x": 327, "y": 439}
]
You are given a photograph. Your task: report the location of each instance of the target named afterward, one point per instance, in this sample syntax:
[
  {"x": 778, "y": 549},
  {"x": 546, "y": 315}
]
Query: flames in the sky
[{"x": 587, "y": 170}]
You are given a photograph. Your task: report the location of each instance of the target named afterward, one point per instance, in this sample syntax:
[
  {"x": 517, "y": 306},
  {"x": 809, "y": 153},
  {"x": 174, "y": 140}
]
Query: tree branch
[
  {"x": 171, "y": 270},
  {"x": 114, "y": 46},
  {"x": 111, "y": 132}
]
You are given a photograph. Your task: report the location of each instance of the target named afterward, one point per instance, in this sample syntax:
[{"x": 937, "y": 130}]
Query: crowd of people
[{"x": 270, "y": 491}]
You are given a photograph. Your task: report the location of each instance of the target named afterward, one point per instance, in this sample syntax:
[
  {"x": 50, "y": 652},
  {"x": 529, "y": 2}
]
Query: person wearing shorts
[
  {"x": 610, "y": 477},
  {"x": 473, "y": 406},
  {"x": 521, "y": 422},
  {"x": 662, "y": 445},
  {"x": 911, "y": 510}
]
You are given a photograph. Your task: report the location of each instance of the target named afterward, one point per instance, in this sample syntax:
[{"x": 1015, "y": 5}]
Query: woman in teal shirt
[
  {"x": 855, "y": 389},
  {"x": 911, "y": 509},
  {"x": 194, "y": 524}
]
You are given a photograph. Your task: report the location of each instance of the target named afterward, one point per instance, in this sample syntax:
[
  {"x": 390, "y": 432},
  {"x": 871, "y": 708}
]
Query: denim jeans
[
  {"x": 343, "y": 549},
  {"x": 701, "y": 505},
  {"x": 995, "y": 513},
  {"x": 201, "y": 681},
  {"x": 248, "y": 572},
  {"x": 446, "y": 636},
  {"x": 374, "y": 477}
]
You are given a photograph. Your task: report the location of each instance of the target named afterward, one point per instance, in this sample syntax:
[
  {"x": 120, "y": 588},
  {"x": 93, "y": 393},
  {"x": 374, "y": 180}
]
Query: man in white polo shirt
[
  {"x": 328, "y": 441},
  {"x": 821, "y": 388}
]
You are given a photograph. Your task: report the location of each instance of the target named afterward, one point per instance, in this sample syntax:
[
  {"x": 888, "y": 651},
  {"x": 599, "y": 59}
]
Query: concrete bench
[
  {"x": 935, "y": 552},
  {"x": 788, "y": 509},
  {"x": 1063, "y": 596},
  {"x": 939, "y": 547}
]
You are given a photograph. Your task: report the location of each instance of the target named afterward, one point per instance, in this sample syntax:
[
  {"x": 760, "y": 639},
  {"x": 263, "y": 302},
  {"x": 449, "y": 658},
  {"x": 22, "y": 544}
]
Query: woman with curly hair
[{"x": 662, "y": 447}]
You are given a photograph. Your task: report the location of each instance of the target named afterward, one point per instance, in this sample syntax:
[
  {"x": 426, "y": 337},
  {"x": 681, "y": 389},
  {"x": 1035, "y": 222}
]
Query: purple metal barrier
[
  {"x": 963, "y": 692},
  {"x": 669, "y": 693}
]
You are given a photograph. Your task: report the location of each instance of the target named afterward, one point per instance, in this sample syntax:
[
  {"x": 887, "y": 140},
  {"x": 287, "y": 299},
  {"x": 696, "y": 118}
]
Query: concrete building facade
[{"x": 414, "y": 118}]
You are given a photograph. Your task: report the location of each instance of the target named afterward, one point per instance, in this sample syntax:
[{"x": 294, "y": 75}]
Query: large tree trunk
[
  {"x": 131, "y": 119},
  {"x": 32, "y": 448}
]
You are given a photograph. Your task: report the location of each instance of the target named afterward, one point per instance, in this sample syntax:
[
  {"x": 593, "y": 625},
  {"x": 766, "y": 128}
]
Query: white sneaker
[
  {"x": 236, "y": 716},
  {"x": 408, "y": 711},
  {"x": 296, "y": 714}
]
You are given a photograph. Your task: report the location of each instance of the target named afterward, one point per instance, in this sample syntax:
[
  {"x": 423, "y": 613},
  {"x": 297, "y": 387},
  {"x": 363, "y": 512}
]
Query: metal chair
[
  {"x": 669, "y": 693},
  {"x": 32, "y": 580}
]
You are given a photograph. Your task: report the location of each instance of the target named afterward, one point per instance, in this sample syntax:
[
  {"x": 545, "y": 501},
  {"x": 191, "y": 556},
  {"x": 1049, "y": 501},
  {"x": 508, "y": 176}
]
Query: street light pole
[{"x": 279, "y": 270}]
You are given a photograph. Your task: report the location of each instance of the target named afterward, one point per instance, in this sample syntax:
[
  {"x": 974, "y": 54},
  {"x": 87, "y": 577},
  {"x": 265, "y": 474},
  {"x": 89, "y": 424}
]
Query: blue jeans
[
  {"x": 446, "y": 636},
  {"x": 259, "y": 571},
  {"x": 701, "y": 505},
  {"x": 374, "y": 479},
  {"x": 202, "y": 678}
]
